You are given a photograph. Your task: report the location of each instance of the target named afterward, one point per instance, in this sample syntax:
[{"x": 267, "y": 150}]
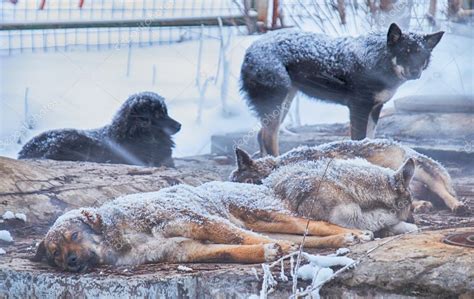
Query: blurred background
[{"x": 72, "y": 63}]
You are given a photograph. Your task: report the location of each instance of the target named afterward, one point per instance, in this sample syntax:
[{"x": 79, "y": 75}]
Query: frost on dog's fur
[
  {"x": 381, "y": 152},
  {"x": 351, "y": 193},
  {"x": 139, "y": 134}
]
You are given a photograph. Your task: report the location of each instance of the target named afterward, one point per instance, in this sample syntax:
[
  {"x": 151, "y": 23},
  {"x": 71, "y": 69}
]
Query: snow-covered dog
[
  {"x": 361, "y": 73},
  {"x": 431, "y": 180},
  {"x": 140, "y": 134},
  {"x": 215, "y": 222}
]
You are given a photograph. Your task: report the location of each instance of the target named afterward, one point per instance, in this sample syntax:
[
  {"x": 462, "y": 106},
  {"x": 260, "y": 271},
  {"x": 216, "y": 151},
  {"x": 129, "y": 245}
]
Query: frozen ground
[{"x": 83, "y": 89}]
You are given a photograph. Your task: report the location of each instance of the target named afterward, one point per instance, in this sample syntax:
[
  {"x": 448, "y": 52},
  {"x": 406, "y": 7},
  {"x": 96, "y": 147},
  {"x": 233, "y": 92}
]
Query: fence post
[{"x": 261, "y": 6}]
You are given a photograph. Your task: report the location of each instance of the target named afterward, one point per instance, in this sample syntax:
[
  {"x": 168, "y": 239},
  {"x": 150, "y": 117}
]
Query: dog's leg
[
  {"x": 268, "y": 135},
  {"x": 261, "y": 143},
  {"x": 438, "y": 184},
  {"x": 421, "y": 206},
  {"x": 335, "y": 241},
  {"x": 372, "y": 120},
  {"x": 359, "y": 116},
  {"x": 402, "y": 228},
  {"x": 285, "y": 106},
  {"x": 275, "y": 222},
  {"x": 219, "y": 233},
  {"x": 191, "y": 251}
]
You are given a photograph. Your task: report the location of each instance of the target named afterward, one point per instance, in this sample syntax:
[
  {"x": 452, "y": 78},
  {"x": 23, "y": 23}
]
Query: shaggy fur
[
  {"x": 140, "y": 134},
  {"x": 361, "y": 73},
  {"x": 215, "y": 222},
  {"x": 431, "y": 180}
]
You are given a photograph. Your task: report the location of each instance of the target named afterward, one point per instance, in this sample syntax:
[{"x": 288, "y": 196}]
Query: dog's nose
[
  {"x": 415, "y": 73},
  {"x": 71, "y": 259}
]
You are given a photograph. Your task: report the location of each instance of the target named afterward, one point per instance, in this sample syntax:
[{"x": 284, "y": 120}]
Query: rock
[
  {"x": 43, "y": 190},
  {"x": 415, "y": 264},
  {"x": 436, "y": 104}
]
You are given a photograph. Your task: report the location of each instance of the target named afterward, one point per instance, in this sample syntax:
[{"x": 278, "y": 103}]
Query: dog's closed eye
[{"x": 75, "y": 236}]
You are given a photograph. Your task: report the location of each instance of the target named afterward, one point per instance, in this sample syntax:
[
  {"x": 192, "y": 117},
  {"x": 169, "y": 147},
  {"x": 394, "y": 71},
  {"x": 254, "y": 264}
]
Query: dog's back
[{"x": 276, "y": 62}]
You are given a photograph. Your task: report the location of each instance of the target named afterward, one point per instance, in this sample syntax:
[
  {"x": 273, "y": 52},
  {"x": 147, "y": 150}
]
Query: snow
[
  {"x": 342, "y": 251},
  {"x": 8, "y": 215},
  {"x": 184, "y": 268},
  {"x": 6, "y": 236},
  {"x": 20, "y": 216},
  {"x": 2, "y": 251}
]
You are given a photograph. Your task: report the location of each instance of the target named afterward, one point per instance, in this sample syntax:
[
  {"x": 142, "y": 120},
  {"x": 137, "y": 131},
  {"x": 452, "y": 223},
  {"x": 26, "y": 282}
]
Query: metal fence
[{"x": 142, "y": 17}]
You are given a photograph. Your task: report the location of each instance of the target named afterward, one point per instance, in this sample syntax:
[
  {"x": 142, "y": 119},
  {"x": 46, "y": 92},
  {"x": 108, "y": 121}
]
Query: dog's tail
[{"x": 437, "y": 179}]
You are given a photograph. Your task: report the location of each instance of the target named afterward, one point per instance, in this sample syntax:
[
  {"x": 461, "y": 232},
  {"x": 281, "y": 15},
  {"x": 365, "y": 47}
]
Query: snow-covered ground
[{"x": 83, "y": 89}]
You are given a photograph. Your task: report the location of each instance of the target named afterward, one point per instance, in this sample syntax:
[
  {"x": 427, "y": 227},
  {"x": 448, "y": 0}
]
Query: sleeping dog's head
[
  {"x": 143, "y": 115},
  {"x": 410, "y": 52},
  {"x": 74, "y": 243}
]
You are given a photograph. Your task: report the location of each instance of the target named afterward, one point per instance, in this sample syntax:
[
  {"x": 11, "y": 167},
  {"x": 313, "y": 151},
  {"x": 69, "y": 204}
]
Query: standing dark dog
[
  {"x": 362, "y": 73},
  {"x": 140, "y": 134}
]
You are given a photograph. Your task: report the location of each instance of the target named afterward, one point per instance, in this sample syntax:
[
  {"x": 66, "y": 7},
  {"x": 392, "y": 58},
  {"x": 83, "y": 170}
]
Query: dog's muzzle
[{"x": 414, "y": 74}]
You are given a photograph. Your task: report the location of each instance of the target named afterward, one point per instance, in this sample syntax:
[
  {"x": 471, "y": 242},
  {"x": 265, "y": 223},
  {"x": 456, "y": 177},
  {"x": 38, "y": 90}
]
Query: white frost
[
  {"x": 8, "y": 215},
  {"x": 184, "y": 268},
  {"x": 6, "y": 236},
  {"x": 328, "y": 261},
  {"x": 20, "y": 216}
]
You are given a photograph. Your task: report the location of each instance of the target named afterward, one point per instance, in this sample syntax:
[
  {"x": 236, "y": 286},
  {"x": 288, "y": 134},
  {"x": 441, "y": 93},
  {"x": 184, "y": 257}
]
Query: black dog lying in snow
[{"x": 140, "y": 134}]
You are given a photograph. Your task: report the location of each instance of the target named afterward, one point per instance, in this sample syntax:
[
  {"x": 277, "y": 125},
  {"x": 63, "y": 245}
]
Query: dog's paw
[
  {"x": 366, "y": 235},
  {"x": 350, "y": 239},
  {"x": 460, "y": 209},
  {"x": 272, "y": 251},
  {"x": 421, "y": 206},
  {"x": 287, "y": 246}
]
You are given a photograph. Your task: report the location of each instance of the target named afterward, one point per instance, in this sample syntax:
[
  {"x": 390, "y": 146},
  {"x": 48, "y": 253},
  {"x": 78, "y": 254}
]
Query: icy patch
[
  {"x": 20, "y": 216},
  {"x": 184, "y": 268},
  {"x": 328, "y": 261},
  {"x": 342, "y": 251},
  {"x": 6, "y": 236},
  {"x": 8, "y": 215}
]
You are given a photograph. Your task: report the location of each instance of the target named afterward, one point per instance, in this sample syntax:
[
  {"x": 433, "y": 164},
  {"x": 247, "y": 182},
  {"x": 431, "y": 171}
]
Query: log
[{"x": 45, "y": 189}]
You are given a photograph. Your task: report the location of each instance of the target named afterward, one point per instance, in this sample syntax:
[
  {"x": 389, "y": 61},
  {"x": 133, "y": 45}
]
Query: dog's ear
[
  {"x": 93, "y": 220},
  {"x": 431, "y": 40},
  {"x": 244, "y": 161},
  {"x": 40, "y": 253},
  {"x": 406, "y": 172},
  {"x": 394, "y": 34}
]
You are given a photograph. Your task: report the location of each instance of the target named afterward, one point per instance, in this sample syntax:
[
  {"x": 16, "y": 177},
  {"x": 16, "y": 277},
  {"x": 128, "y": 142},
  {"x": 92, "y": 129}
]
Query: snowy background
[{"x": 76, "y": 87}]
